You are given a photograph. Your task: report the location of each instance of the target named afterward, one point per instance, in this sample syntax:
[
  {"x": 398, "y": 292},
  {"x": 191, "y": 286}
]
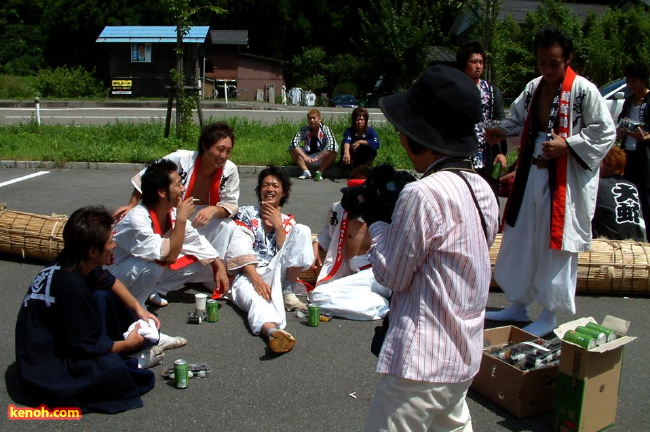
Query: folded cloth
[{"x": 147, "y": 330}]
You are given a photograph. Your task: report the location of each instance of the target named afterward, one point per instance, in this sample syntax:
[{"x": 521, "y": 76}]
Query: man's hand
[
  {"x": 318, "y": 262},
  {"x": 501, "y": 159},
  {"x": 146, "y": 315},
  {"x": 185, "y": 209},
  {"x": 263, "y": 289},
  {"x": 556, "y": 147},
  {"x": 121, "y": 212},
  {"x": 639, "y": 134},
  {"x": 222, "y": 284},
  {"x": 494, "y": 135},
  {"x": 204, "y": 216},
  {"x": 134, "y": 340},
  {"x": 271, "y": 216}
]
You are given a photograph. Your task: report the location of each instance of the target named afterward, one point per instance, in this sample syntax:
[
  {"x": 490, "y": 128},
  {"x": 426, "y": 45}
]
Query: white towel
[{"x": 147, "y": 330}]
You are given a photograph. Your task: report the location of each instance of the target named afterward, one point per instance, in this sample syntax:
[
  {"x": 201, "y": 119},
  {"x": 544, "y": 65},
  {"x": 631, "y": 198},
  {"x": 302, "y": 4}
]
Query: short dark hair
[
  {"x": 415, "y": 147},
  {"x": 87, "y": 228},
  {"x": 359, "y": 112},
  {"x": 548, "y": 36},
  {"x": 278, "y": 173},
  {"x": 156, "y": 177},
  {"x": 637, "y": 70},
  {"x": 213, "y": 133},
  {"x": 360, "y": 172},
  {"x": 463, "y": 54}
]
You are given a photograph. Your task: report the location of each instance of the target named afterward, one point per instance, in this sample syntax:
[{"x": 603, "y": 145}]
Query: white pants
[
  {"x": 297, "y": 251},
  {"x": 527, "y": 269},
  {"x": 402, "y": 405},
  {"x": 357, "y": 297},
  {"x": 217, "y": 231},
  {"x": 144, "y": 278}
]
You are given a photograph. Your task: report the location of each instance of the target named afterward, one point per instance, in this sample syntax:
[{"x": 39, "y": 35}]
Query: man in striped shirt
[{"x": 434, "y": 256}]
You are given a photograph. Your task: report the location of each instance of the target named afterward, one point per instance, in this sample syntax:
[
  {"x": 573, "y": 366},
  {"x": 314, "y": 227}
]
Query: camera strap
[{"x": 456, "y": 165}]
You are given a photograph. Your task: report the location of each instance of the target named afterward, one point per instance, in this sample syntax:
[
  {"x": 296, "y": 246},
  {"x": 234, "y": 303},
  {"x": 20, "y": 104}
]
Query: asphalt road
[
  {"x": 325, "y": 384},
  {"x": 98, "y": 114}
]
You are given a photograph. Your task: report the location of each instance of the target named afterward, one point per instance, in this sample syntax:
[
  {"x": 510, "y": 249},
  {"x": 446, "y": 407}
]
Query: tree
[
  {"x": 21, "y": 40},
  {"x": 486, "y": 24},
  {"x": 182, "y": 11},
  {"x": 396, "y": 35}
]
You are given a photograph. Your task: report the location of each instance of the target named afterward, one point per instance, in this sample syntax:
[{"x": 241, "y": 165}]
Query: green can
[
  {"x": 496, "y": 170},
  {"x": 313, "y": 315},
  {"x": 181, "y": 373},
  {"x": 611, "y": 334},
  {"x": 601, "y": 338},
  {"x": 587, "y": 342},
  {"x": 212, "y": 310}
]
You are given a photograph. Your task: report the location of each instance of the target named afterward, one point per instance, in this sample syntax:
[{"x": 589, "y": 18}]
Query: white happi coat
[
  {"x": 251, "y": 244},
  {"x": 217, "y": 230},
  {"x": 591, "y": 134},
  {"x": 344, "y": 287},
  {"x": 138, "y": 249}
]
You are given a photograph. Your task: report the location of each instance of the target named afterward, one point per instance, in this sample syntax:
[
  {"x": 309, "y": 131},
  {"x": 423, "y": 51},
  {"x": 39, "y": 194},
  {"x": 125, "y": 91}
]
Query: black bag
[{"x": 379, "y": 336}]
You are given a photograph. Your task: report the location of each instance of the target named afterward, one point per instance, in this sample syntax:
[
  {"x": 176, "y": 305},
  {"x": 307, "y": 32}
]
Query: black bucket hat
[{"x": 439, "y": 111}]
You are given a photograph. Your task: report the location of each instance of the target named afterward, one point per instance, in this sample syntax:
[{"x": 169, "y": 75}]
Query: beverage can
[
  {"x": 601, "y": 337},
  {"x": 587, "y": 342},
  {"x": 313, "y": 315},
  {"x": 496, "y": 170},
  {"x": 181, "y": 373},
  {"x": 611, "y": 334},
  {"x": 212, "y": 310}
]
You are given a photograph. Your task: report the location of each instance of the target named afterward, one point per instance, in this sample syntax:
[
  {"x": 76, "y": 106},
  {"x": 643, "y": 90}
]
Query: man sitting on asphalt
[
  {"x": 158, "y": 249},
  {"x": 76, "y": 341},
  {"x": 209, "y": 176},
  {"x": 346, "y": 286},
  {"x": 314, "y": 146},
  {"x": 267, "y": 253}
]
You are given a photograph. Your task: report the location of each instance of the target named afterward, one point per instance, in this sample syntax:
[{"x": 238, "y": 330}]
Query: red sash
[
  {"x": 215, "y": 185},
  {"x": 558, "y": 197},
  {"x": 558, "y": 200},
  {"x": 339, "y": 250},
  {"x": 181, "y": 262}
]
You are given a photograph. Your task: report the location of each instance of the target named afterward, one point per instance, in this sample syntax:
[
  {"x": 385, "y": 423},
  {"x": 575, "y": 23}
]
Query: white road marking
[{"x": 19, "y": 179}]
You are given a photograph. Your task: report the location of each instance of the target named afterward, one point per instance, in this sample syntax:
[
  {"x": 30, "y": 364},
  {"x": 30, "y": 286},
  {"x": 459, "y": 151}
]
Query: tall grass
[
  {"x": 15, "y": 87},
  {"x": 256, "y": 143}
]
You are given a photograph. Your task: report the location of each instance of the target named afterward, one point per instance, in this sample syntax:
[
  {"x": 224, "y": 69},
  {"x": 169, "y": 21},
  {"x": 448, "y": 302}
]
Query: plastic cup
[{"x": 199, "y": 303}]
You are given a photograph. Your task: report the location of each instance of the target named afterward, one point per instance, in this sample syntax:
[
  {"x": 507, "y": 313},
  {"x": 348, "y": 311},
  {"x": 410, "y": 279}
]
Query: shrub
[{"x": 64, "y": 82}]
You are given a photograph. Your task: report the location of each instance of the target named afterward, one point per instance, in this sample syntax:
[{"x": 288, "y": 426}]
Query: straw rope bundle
[
  {"x": 610, "y": 267},
  {"x": 31, "y": 235}
]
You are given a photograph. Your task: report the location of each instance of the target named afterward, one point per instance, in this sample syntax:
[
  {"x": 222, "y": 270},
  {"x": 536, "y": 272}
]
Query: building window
[{"x": 140, "y": 53}]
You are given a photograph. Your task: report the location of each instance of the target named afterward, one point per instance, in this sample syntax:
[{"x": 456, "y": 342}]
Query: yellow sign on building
[{"x": 121, "y": 83}]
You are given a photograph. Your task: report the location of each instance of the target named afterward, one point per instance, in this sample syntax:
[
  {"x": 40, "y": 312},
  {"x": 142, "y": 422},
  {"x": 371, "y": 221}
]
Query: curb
[{"x": 294, "y": 171}]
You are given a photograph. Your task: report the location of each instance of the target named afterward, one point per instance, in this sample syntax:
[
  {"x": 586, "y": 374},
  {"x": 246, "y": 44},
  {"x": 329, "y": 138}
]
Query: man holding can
[
  {"x": 432, "y": 252},
  {"x": 565, "y": 130}
]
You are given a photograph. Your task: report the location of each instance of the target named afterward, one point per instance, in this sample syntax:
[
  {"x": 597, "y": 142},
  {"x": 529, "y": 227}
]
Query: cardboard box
[
  {"x": 522, "y": 393},
  {"x": 588, "y": 382}
]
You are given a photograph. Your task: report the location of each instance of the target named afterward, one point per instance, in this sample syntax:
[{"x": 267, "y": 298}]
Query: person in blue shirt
[{"x": 360, "y": 141}]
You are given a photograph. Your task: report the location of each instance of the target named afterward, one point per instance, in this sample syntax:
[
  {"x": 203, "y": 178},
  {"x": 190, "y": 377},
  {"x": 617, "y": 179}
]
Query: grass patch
[
  {"x": 256, "y": 143},
  {"x": 15, "y": 87}
]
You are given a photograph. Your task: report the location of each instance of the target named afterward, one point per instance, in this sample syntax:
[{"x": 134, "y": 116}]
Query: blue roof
[{"x": 151, "y": 34}]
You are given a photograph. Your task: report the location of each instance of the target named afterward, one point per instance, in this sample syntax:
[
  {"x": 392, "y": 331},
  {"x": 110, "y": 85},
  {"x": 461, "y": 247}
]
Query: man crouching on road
[{"x": 434, "y": 256}]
